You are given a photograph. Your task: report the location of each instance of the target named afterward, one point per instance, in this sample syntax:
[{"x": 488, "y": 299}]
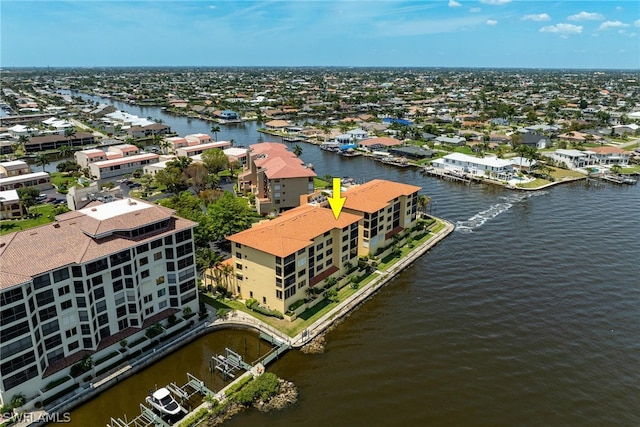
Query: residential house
[
  {"x": 574, "y": 159},
  {"x": 276, "y": 262},
  {"x": 37, "y": 180},
  {"x": 121, "y": 165},
  {"x": 277, "y": 124},
  {"x": 457, "y": 141},
  {"x": 86, "y": 157},
  {"x": 149, "y": 130},
  {"x": 631, "y": 128},
  {"x": 536, "y": 140},
  {"x": 489, "y": 166},
  {"x": 379, "y": 143},
  {"x": 607, "y": 155},
  {"x": 78, "y": 286}
]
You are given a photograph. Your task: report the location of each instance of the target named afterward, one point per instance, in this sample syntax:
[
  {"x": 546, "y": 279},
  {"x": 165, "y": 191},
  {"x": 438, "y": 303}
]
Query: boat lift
[{"x": 228, "y": 364}]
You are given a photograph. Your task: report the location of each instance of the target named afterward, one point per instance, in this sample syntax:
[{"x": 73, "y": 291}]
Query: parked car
[{"x": 50, "y": 200}]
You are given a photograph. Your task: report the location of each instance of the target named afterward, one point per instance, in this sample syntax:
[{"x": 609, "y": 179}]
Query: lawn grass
[
  {"x": 320, "y": 183},
  {"x": 630, "y": 169},
  {"x": 536, "y": 183},
  {"x": 44, "y": 215}
]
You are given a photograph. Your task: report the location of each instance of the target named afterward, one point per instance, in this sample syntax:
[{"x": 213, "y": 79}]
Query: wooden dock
[{"x": 450, "y": 175}]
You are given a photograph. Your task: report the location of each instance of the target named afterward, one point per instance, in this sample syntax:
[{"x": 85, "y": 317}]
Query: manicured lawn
[
  {"x": 536, "y": 183},
  {"x": 559, "y": 174},
  {"x": 44, "y": 215},
  {"x": 63, "y": 181},
  {"x": 320, "y": 183},
  {"x": 631, "y": 169}
]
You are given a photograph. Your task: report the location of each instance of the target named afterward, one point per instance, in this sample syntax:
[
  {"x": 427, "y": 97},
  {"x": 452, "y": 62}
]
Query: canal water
[{"x": 528, "y": 314}]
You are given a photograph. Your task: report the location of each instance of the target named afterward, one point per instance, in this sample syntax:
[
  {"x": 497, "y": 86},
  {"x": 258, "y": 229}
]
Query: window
[
  {"x": 81, "y": 302},
  {"x": 143, "y": 261},
  {"x": 117, "y": 272},
  {"x": 278, "y": 294},
  {"x": 148, "y": 311},
  {"x": 117, "y": 285},
  {"x": 98, "y": 293},
  {"x": 83, "y": 315},
  {"x": 52, "y": 342},
  {"x": 148, "y": 298},
  {"x": 87, "y": 343},
  {"x": 101, "y": 306},
  {"x": 264, "y": 300},
  {"x": 156, "y": 243},
  {"x": 74, "y": 345},
  {"x": 163, "y": 305},
  {"x": 60, "y": 275},
  {"x": 66, "y": 304},
  {"x": 64, "y": 290},
  {"x": 96, "y": 266},
  {"x": 71, "y": 332},
  {"x": 162, "y": 292},
  {"x": 157, "y": 256},
  {"x": 40, "y": 282},
  {"x": 144, "y": 274},
  {"x": 16, "y": 347},
  {"x": 142, "y": 248},
  {"x": 160, "y": 280},
  {"x": 48, "y": 313},
  {"x": 12, "y": 314},
  {"x": 11, "y": 332},
  {"x": 103, "y": 319},
  {"x": 20, "y": 377},
  {"x": 17, "y": 363}
]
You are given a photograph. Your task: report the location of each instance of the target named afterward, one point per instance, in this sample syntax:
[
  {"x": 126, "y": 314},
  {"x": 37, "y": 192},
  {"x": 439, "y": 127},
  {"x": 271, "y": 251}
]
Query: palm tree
[
  {"x": 65, "y": 150},
  {"x": 214, "y": 130},
  {"x": 42, "y": 160},
  {"x": 423, "y": 201},
  {"x": 68, "y": 133},
  {"x": 22, "y": 140},
  {"x": 297, "y": 150}
]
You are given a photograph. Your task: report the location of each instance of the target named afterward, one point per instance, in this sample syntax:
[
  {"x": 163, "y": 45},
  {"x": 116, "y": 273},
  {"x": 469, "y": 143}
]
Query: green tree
[
  {"x": 22, "y": 140},
  {"x": 423, "y": 201},
  {"x": 615, "y": 168},
  {"x": 27, "y": 196},
  {"x": 215, "y": 160},
  {"x": 42, "y": 160},
  {"x": 69, "y": 133},
  {"x": 297, "y": 150},
  {"x": 65, "y": 150},
  {"x": 229, "y": 215},
  {"x": 207, "y": 259},
  {"x": 190, "y": 207},
  {"x": 214, "y": 130}
]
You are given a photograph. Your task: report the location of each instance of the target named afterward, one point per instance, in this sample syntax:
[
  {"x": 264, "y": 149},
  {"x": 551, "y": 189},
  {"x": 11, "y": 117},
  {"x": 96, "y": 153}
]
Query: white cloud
[
  {"x": 636, "y": 23},
  {"x": 612, "y": 24},
  {"x": 475, "y": 10},
  {"x": 537, "y": 17},
  {"x": 495, "y": 2},
  {"x": 211, "y": 7},
  {"x": 562, "y": 29},
  {"x": 586, "y": 16},
  {"x": 454, "y": 3},
  {"x": 491, "y": 22}
]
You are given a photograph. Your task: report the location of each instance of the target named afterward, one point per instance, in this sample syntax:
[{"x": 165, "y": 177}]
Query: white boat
[{"x": 163, "y": 401}]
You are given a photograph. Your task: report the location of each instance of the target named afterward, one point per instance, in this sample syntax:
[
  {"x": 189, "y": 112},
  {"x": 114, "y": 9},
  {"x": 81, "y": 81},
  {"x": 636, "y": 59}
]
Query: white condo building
[{"x": 78, "y": 286}]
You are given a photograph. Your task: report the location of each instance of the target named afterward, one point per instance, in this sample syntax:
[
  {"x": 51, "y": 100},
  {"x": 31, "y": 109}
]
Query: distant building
[
  {"x": 458, "y": 141},
  {"x": 490, "y": 167},
  {"x": 10, "y": 206},
  {"x": 379, "y": 143},
  {"x": 276, "y": 176},
  {"x": 149, "y": 130},
  {"x": 14, "y": 168},
  {"x": 193, "y": 150},
  {"x": 574, "y": 159},
  {"x": 51, "y": 142}
]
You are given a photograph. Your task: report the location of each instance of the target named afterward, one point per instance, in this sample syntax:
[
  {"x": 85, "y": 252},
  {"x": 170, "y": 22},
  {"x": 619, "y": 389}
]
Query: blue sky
[{"x": 445, "y": 33}]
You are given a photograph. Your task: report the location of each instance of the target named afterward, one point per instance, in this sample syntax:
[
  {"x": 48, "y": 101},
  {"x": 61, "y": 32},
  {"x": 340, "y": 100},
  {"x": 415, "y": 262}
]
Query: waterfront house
[
  {"x": 149, "y": 130},
  {"x": 607, "y": 155},
  {"x": 277, "y": 124},
  {"x": 276, "y": 176},
  {"x": 489, "y": 166},
  {"x": 379, "y": 143},
  {"x": 574, "y": 159},
  {"x": 625, "y": 129},
  {"x": 276, "y": 262},
  {"x": 78, "y": 286},
  {"x": 386, "y": 207},
  {"x": 52, "y": 142}
]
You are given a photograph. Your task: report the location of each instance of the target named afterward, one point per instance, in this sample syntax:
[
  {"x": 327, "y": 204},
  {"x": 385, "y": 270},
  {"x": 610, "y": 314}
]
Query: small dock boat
[{"x": 163, "y": 401}]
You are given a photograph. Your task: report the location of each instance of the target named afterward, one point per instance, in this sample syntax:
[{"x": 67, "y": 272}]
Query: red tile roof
[
  {"x": 375, "y": 195},
  {"x": 293, "y": 230}
]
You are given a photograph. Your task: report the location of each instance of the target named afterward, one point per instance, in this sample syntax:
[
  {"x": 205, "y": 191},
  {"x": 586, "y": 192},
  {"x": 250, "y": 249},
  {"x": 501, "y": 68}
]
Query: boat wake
[{"x": 493, "y": 211}]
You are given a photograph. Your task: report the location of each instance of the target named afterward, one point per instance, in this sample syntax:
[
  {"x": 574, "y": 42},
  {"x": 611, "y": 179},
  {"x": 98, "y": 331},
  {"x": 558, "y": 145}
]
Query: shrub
[
  {"x": 55, "y": 383},
  {"x": 138, "y": 341},
  {"x": 107, "y": 357},
  {"x": 59, "y": 395},
  {"x": 154, "y": 330},
  {"x": 172, "y": 319},
  {"x": 262, "y": 387},
  {"x": 296, "y": 304},
  {"x": 331, "y": 295},
  {"x": 195, "y": 419}
]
